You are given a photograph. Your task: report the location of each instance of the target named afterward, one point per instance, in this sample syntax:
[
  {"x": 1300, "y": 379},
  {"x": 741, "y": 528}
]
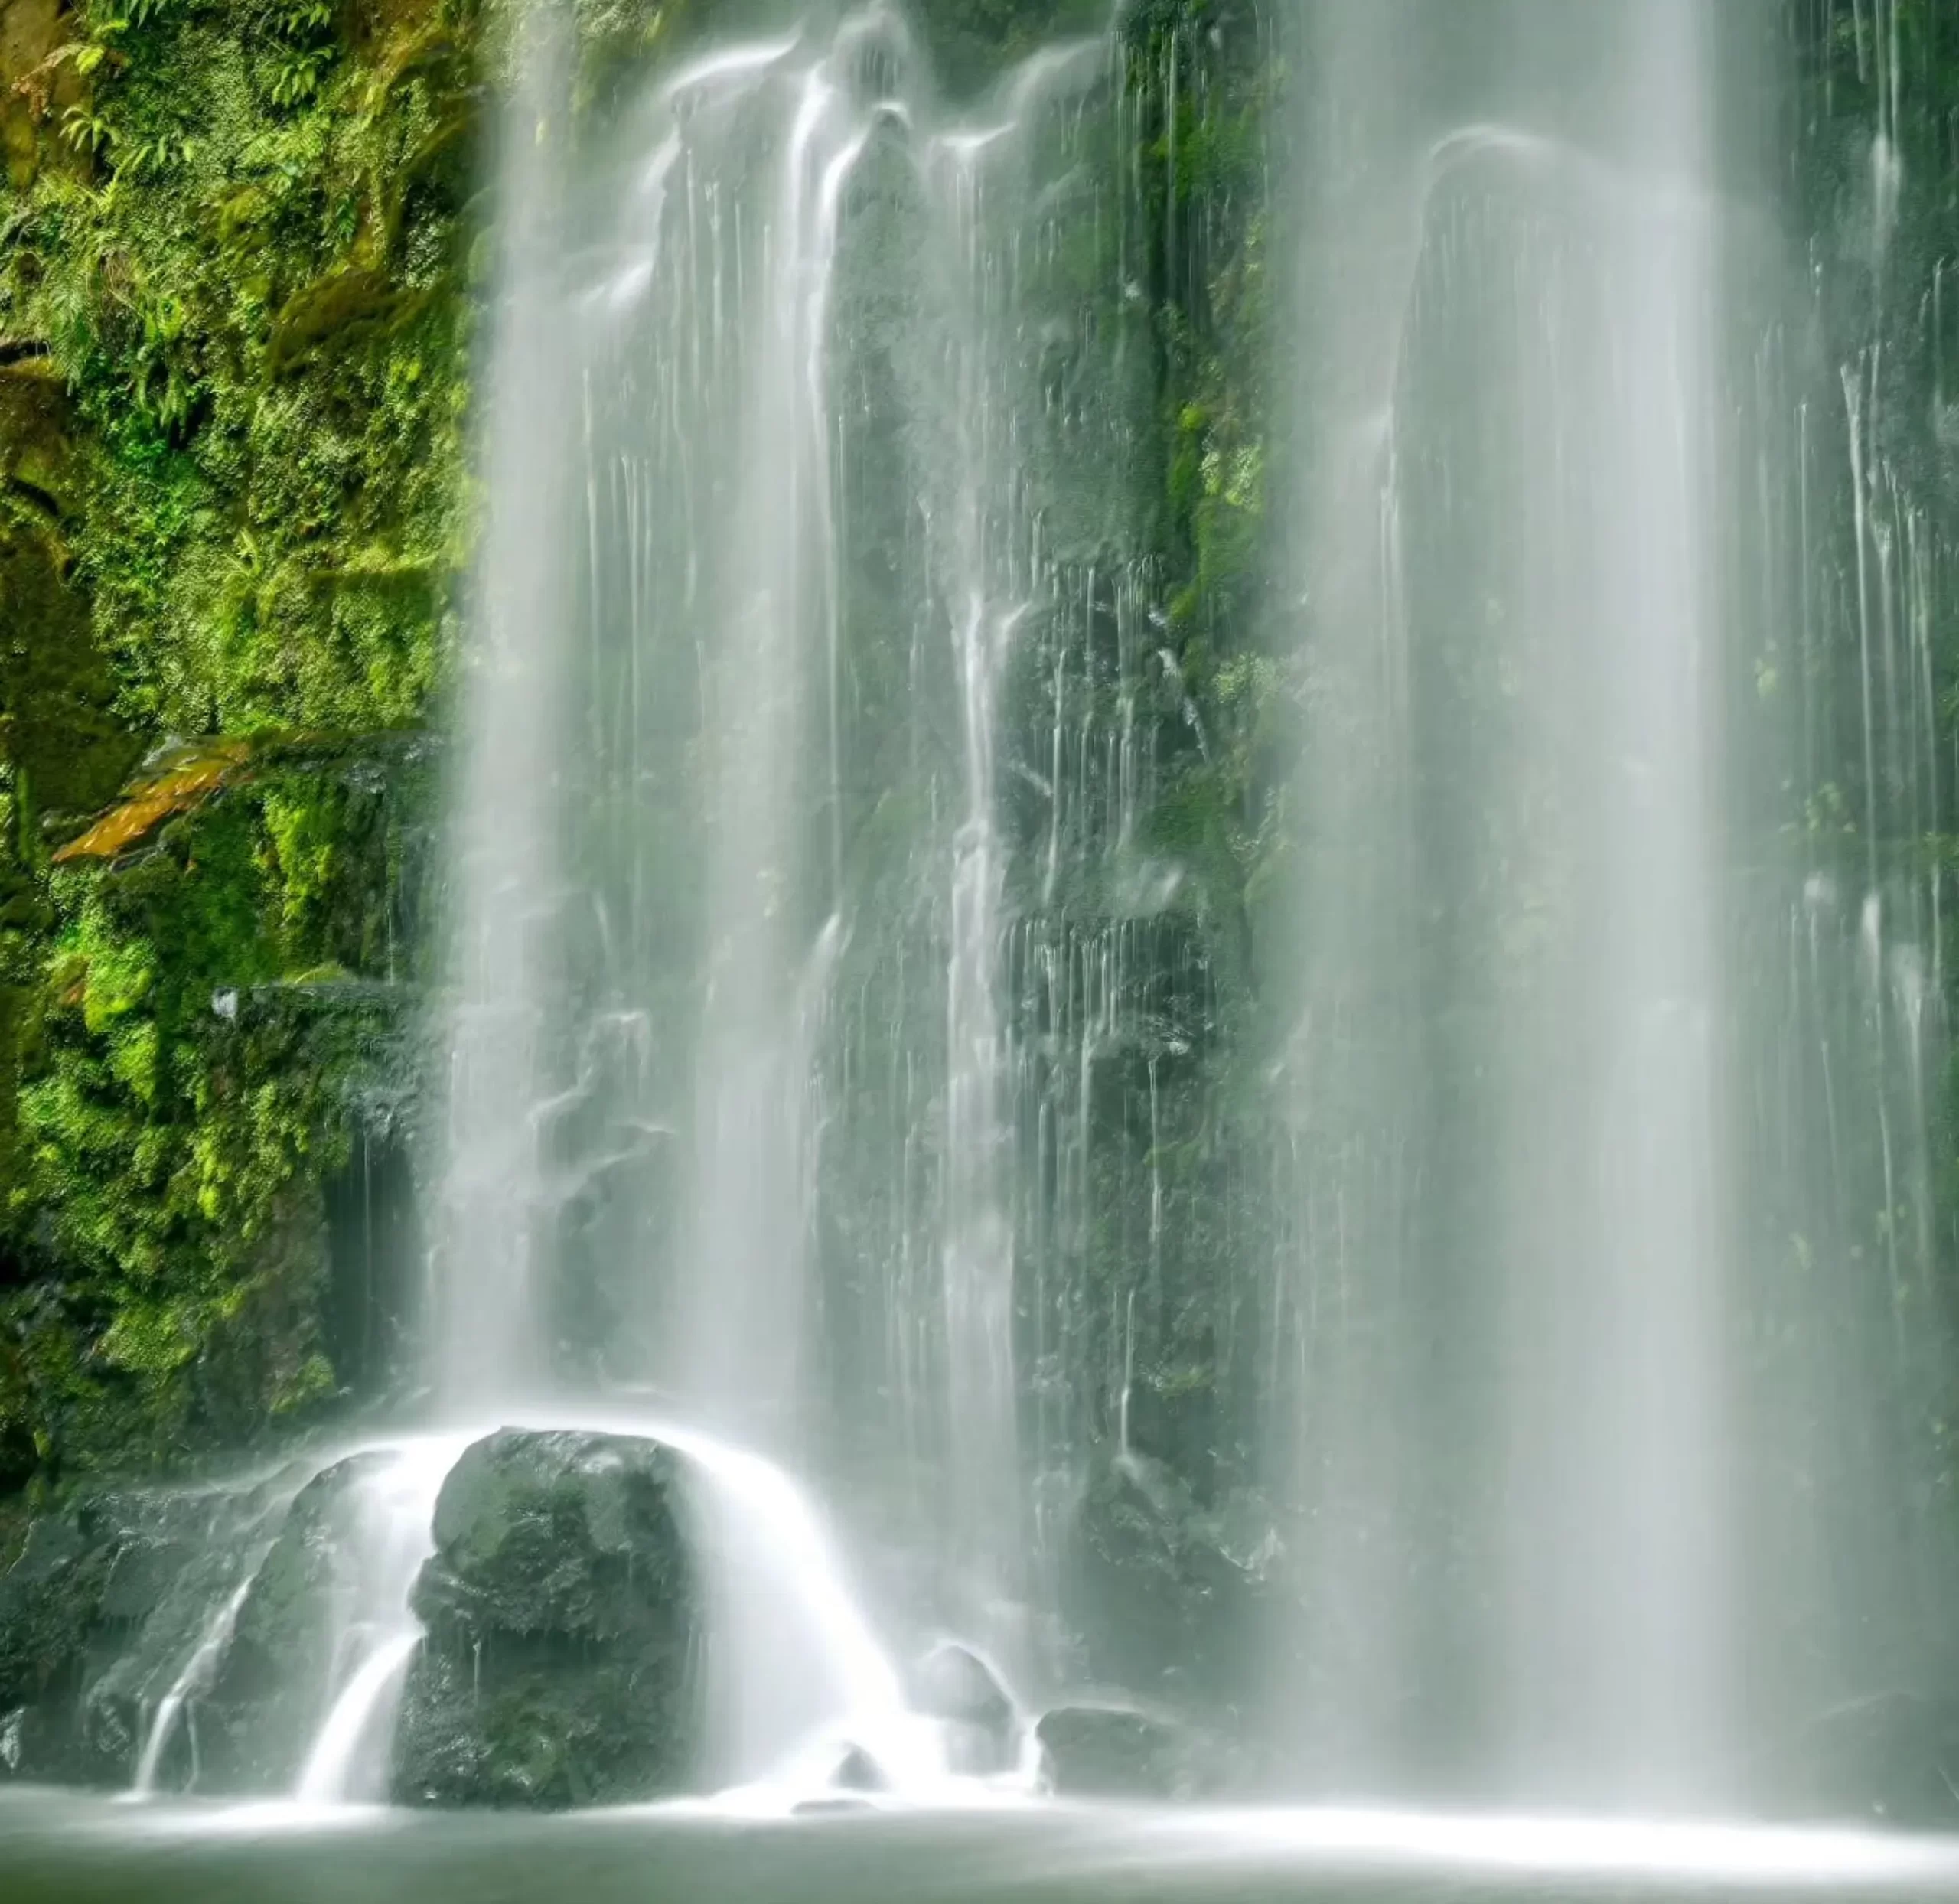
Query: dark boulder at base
[
  {"x": 562, "y": 1611},
  {"x": 1114, "y": 1752},
  {"x": 857, "y": 1771},
  {"x": 953, "y": 1684},
  {"x": 100, "y": 1612}
]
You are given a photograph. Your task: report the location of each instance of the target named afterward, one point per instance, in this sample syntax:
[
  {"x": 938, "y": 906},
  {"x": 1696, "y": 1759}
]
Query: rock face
[
  {"x": 1166, "y": 1602},
  {"x": 276, "y": 1679},
  {"x": 101, "y": 1610},
  {"x": 1110, "y": 1752},
  {"x": 562, "y": 1608}
]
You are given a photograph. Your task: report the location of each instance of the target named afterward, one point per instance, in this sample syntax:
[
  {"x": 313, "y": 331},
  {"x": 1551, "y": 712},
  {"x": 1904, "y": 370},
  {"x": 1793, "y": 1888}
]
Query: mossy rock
[
  {"x": 562, "y": 1608},
  {"x": 354, "y": 297},
  {"x": 98, "y": 1615},
  {"x": 32, "y": 89},
  {"x": 57, "y": 727}
]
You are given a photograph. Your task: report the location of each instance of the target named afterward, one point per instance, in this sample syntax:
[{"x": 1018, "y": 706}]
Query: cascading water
[
  {"x": 392, "y": 1508},
  {"x": 496, "y": 1186},
  {"x": 190, "y": 1680},
  {"x": 733, "y": 895},
  {"x": 1511, "y": 1221},
  {"x": 1540, "y": 1358}
]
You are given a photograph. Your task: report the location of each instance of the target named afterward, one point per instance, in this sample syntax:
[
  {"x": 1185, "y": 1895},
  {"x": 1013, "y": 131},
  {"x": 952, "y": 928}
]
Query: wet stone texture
[
  {"x": 99, "y": 1613},
  {"x": 1164, "y": 1602},
  {"x": 280, "y": 1671},
  {"x": 1110, "y": 1752},
  {"x": 563, "y": 1614}
]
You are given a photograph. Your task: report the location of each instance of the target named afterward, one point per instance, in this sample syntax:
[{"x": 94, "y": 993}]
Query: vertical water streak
[
  {"x": 390, "y": 1529},
  {"x": 489, "y": 1328},
  {"x": 1340, "y": 1431},
  {"x": 194, "y": 1676},
  {"x": 978, "y": 1243},
  {"x": 1647, "y": 1502},
  {"x": 1507, "y": 1304},
  {"x": 745, "y": 1318}
]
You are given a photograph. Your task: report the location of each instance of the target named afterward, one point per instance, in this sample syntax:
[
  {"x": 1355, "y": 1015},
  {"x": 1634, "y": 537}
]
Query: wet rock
[
  {"x": 49, "y": 1602},
  {"x": 954, "y": 1682},
  {"x": 562, "y": 1611},
  {"x": 955, "y": 1686},
  {"x": 1112, "y": 1752},
  {"x": 274, "y": 1684},
  {"x": 97, "y": 1616},
  {"x": 1169, "y": 1599},
  {"x": 120, "y": 1703},
  {"x": 857, "y": 1771}
]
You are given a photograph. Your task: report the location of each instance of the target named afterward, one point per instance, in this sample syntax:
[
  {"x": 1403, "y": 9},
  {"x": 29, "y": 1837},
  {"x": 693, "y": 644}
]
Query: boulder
[
  {"x": 857, "y": 1771},
  {"x": 1114, "y": 1751},
  {"x": 953, "y": 1684},
  {"x": 562, "y": 1610}
]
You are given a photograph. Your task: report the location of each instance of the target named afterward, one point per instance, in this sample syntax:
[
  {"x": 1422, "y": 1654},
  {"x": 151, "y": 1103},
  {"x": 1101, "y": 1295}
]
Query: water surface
[{"x": 58, "y": 1846}]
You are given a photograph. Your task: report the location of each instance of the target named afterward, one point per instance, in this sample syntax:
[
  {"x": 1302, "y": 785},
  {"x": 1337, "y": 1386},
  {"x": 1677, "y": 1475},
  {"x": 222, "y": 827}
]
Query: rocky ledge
[
  {"x": 102, "y": 1613},
  {"x": 1117, "y": 1752}
]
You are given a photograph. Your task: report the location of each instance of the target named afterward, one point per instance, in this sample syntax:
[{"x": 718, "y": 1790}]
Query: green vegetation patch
[{"x": 233, "y": 334}]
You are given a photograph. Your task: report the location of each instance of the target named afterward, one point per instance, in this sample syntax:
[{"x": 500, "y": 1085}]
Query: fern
[
  {"x": 82, "y": 130},
  {"x": 147, "y": 158},
  {"x": 297, "y": 77},
  {"x": 299, "y": 20}
]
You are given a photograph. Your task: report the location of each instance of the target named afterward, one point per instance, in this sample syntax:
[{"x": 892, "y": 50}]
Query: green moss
[{"x": 230, "y": 502}]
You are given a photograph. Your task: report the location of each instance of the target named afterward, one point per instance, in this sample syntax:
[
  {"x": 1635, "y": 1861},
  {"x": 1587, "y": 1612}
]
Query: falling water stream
[
  {"x": 1508, "y": 1095},
  {"x": 752, "y": 375}
]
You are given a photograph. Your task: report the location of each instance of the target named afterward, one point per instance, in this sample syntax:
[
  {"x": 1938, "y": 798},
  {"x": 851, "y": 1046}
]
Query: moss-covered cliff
[{"x": 233, "y": 339}]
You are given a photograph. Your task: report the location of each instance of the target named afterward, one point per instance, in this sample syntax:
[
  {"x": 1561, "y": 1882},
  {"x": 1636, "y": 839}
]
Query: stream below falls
[{"x": 59, "y": 1846}]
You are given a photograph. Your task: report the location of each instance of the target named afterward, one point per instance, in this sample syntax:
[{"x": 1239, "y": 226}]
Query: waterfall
[
  {"x": 190, "y": 1681},
  {"x": 493, "y": 1240},
  {"x": 1453, "y": 1186},
  {"x": 1505, "y": 1067},
  {"x": 390, "y": 1522},
  {"x": 772, "y": 514},
  {"x": 1570, "y": 1421}
]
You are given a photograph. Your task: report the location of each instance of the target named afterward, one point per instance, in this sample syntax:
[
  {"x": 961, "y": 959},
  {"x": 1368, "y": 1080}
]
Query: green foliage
[
  {"x": 236, "y": 497},
  {"x": 1205, "y": 83},
  {"x": 973, "y": 41}
]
